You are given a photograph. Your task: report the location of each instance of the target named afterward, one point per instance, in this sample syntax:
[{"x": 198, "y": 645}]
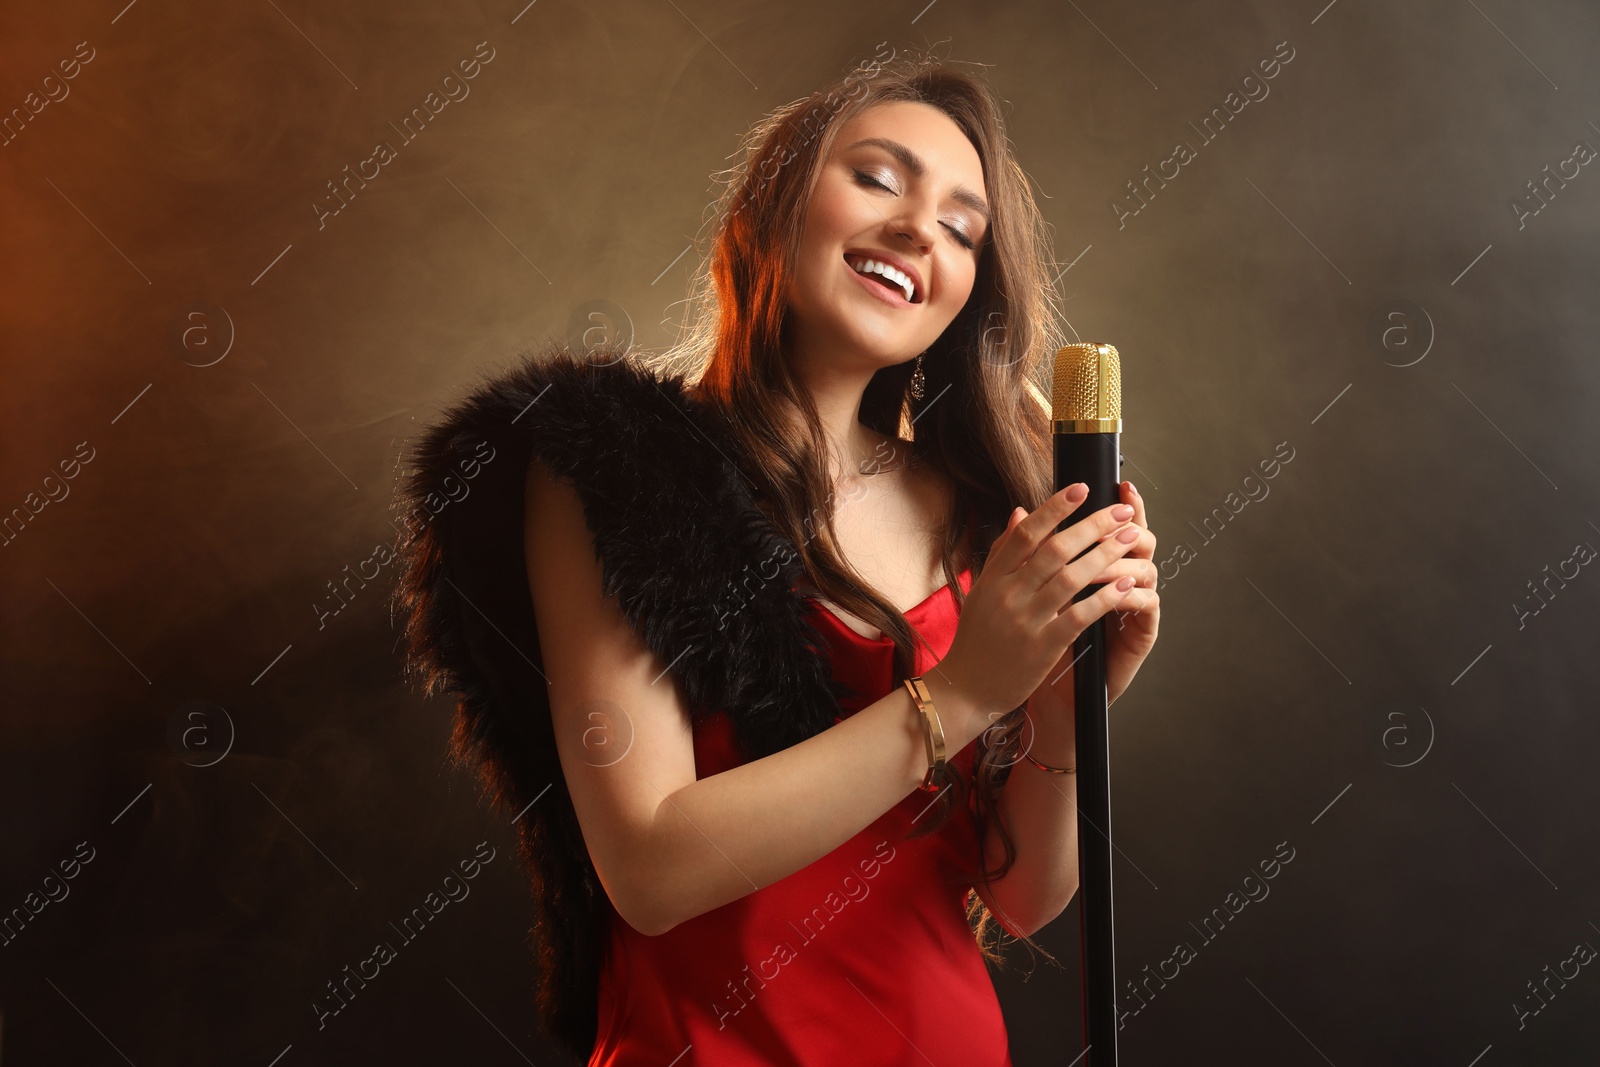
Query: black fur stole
[{"x": 698, "y": 571}]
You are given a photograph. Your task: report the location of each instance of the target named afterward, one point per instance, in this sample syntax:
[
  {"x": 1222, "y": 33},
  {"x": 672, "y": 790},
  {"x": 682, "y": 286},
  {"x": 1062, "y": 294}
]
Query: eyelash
[{"x": 961, "y": 238}]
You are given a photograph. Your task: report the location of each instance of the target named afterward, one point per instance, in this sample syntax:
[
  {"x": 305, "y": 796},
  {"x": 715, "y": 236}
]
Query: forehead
[{"x": 923, "y": 128}]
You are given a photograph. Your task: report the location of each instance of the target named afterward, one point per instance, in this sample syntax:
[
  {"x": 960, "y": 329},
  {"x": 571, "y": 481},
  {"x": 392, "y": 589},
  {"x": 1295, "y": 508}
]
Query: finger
[
  {"x": 1016, "y": 516},
  {"x": 1140, "y": 602},
  {"x": 1138, "y": 599},
  {"x": 1079, "y": 616},
  {"x": 1066, "y": 585},
  {"x": 1143, "y": 571},
  {"x": 1130, "y": 495},
  {"x": 1145, "y": 546},
  {"x": 1023, "y": 539},
  {"x": 1069, "y": 545}
]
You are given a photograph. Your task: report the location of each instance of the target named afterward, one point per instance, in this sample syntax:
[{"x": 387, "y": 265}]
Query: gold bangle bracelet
[
  {"x": 932, "y": 729},
  {"x": 1047, "y": 767}
]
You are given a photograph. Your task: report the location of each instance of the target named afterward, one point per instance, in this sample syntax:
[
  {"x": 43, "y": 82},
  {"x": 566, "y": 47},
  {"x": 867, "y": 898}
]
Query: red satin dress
[{"x": 862, "y": 958}]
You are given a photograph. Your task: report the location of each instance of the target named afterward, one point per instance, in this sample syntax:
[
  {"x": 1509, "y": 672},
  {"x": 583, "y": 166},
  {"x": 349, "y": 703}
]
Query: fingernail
[
  {"x": 1076, "y": 492},
  {"x": 1133, "y": 488},
  {"x": 1122, "y": 511}
]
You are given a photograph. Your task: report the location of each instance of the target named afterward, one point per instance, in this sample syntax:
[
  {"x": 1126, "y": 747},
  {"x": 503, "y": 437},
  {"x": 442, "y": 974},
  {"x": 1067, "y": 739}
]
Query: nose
[{"x": 916, "y": 223}]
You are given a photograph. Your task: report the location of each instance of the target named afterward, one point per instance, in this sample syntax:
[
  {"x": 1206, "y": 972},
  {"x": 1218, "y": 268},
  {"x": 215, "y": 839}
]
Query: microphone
[{"x": 1086, "y": 424}]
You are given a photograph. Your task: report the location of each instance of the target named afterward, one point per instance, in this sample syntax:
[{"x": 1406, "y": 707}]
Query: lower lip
[{"x": 888, "y": 296}]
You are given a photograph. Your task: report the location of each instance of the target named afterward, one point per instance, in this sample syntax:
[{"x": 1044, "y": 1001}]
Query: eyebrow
[{"x": 913, "y": 163}]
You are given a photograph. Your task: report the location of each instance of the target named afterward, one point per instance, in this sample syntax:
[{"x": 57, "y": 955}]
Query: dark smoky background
[{"x": 1347, "y": 252}]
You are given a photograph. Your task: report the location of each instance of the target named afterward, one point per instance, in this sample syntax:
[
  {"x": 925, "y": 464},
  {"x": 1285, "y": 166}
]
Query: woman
[{"x": 763, "y": 840}]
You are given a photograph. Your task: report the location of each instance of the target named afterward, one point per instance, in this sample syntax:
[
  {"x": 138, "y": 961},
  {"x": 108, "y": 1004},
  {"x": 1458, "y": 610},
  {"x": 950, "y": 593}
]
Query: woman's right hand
[{"x": 1018, "y": 619}]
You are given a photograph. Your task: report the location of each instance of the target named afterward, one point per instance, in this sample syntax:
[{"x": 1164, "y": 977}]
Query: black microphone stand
[{"x": 1087, "y": 424}]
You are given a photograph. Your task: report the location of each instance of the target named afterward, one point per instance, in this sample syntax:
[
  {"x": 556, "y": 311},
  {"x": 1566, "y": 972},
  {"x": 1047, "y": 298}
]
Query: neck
[{"x": 836, "y": 387}]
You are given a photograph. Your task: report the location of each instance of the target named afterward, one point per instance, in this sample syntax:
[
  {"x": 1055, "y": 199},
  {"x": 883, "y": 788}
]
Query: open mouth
[{"x": 884, "y": 276}]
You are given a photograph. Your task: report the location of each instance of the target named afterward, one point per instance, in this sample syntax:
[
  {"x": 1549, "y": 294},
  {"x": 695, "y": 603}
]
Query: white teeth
[{"x": 872, "y": 266}]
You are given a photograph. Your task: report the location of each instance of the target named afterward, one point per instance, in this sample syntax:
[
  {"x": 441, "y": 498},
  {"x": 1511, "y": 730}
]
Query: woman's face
[{"x": 902, "y": 186}]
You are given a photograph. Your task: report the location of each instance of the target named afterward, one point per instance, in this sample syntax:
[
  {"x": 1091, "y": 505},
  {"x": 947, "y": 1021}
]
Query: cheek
[
  {"x": 839, "y": 212},
  {"x": 957, "y": 288},
  {"x": 808, "y": 284},
  {"x": 831, "y": 221}
]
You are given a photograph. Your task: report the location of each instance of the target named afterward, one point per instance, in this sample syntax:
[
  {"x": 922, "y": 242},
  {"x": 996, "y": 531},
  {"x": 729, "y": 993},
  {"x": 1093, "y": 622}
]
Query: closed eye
[{"x": 867, "y": 179}]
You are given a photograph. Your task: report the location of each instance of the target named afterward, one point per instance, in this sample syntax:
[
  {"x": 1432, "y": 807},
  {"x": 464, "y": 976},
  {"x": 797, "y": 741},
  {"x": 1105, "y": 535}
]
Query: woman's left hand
[{"x": 1130, "y": 628}]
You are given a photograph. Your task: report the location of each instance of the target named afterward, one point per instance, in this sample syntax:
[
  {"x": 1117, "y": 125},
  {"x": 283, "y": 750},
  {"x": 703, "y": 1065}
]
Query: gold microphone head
[{"x": 1087, "y": 390}]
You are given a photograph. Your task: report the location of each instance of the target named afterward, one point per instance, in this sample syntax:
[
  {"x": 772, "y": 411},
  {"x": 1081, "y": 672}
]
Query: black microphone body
[{"x": 1086, "y": 427}]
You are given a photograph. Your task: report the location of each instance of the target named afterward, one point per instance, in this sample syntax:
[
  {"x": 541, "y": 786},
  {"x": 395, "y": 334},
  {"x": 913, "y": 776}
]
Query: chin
[
  {"x": 885, "y": 347},
  {"x": 881, "y": 356}
]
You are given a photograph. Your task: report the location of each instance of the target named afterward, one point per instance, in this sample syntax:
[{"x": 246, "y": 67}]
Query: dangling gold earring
[{"x": 918, "y": 382}]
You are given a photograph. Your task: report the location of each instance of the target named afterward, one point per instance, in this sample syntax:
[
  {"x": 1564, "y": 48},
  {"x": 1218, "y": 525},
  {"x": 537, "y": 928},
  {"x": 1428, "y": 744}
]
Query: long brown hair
[{"x": 982, "y": 422}]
